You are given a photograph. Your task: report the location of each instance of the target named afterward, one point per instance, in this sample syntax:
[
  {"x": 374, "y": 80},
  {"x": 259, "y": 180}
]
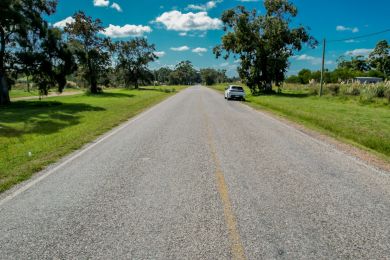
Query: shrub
[
  {"x": 333, "y": 89},
  {"x": 387, "y": 93},
  {"x": 351, "y": 90}
]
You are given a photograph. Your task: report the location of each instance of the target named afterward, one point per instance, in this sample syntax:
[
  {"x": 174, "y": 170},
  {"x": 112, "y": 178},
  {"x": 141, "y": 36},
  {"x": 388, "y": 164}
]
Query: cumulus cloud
[
  {"x": 199, "y": 50},
  {"x": 357, "y": 52},
  {"x": 116, "y": 7},
  {"x": 115, "y": 31},
  {"x": 342, "y": 28},
  {"x": 63, "y": 23},
  {"x": 311, "y": 59},
  {"x": 159, "y": 53},
  {"x": 101, "y": 3},
  {"x": 304, "y": 57},
  {"x": 207, "y": 6},
  {"x": 178, "y": 21},
  {"x": 181, "y": 48}
]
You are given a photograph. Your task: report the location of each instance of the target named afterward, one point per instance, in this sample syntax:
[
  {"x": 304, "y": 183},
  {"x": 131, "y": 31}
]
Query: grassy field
[
  {"x": 34, "y": 134},
  {"x": 366, "y": 125},
  {"x": 18, "y": 92}
]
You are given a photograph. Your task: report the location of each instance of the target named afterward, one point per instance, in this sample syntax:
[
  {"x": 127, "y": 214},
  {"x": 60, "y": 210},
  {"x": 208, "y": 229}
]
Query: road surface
[{"x": 198, "y": 177}]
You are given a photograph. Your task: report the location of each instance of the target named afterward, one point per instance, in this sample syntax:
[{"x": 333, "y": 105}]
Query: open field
[
  {"x": 34, "y": 134},
  {"x": 19, "y": 92},
  {"x": 364, "y": 124}
]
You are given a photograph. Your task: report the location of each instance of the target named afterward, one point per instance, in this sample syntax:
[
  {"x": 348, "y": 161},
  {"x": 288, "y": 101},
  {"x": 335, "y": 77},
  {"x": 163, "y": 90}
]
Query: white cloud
[
  {"x": 246, "y": 1},
  {"x": 101, "y": 3},
  {"x": 342, "y": 28},
  {"x": 199, "y": 50},
  {"x": 205, "y": 7},
  {"x": 183, "y": 34},
  {"x": 311, "y": 59},
  {"x": 351, "y": 41},
  {"x": 181, "y": 48},
  {"x": 116, "y": 7},
  {"x": 127, "y": 30},
  {"x": 178, "y": 21},
  {"x": 63, "y": 23},
  {"x": 304, "y": 57},
  {"x": 357, "y": 52},
  {"x": 159, "y": 53}
]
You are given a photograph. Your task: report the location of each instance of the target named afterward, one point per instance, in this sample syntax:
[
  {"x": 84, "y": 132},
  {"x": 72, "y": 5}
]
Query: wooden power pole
[{"x": 323, "y": 66}]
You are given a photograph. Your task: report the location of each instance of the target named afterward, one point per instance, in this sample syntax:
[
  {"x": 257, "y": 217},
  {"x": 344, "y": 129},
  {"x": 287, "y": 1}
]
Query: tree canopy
[
  {"x": 263, "y": 42},
  {"x": 91, "y": 50},
  {"x": 133, "y": 59},
  {"x": 21, "y": 24}
]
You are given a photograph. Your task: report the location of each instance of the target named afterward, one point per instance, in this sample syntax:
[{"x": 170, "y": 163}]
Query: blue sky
[{"x": 189, "y": 29}]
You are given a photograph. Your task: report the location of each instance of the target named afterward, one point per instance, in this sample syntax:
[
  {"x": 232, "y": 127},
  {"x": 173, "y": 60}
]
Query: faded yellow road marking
[{"x": 237, "y": 248}]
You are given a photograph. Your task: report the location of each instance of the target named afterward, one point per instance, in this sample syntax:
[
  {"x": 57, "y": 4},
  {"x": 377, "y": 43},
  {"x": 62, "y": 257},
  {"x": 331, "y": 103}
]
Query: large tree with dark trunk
[
  {"x": 21, "y": 24},
  {"x": 91, "y": 49},
  {"x": 134, "y": 57},
  {"x": 262, "y": 42}
]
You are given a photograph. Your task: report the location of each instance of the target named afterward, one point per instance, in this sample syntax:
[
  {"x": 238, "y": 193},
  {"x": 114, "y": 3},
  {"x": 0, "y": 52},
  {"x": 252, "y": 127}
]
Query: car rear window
[{"x": 237, "y": 89}]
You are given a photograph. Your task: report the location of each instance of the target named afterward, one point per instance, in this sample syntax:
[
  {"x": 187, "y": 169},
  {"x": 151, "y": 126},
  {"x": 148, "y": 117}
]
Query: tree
[
  {"x": 21, "y": 23},
  {"x": 92, "y": 51},
  {"x": 211, "y": 76},
  {"x": 55, "y": 62},
  {"x": 304, "y": 76},
  {"x": 133, "y": 58},
  {"x": 380, "y": 57},
  {"x": 184, "y": 74},
  {"x": 263, "y": 42},
  {"x": 162, "y": 75}
]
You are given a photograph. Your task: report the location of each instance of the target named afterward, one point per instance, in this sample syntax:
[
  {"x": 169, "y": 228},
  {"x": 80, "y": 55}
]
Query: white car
[{"x": 234, "y": 92}]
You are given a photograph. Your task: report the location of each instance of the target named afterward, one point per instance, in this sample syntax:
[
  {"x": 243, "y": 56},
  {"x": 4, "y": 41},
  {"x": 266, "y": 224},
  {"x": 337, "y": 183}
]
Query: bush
[
  {"x": 333, "y": 89},
  {"x": 351, "y": 90},
  {"x": 387, "y": 93}
]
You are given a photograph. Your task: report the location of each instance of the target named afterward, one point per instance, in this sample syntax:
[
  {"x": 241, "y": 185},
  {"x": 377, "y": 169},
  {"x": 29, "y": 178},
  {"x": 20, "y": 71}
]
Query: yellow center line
[{"x": 237, "y": 248}]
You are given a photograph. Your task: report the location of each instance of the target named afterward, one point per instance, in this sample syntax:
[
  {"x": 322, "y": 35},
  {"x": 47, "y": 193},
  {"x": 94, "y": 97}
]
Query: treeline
[
  {"x": 376, "y": 64},
  {"x": 185, "y": 74},
  {"x": 30, "y": 47}
]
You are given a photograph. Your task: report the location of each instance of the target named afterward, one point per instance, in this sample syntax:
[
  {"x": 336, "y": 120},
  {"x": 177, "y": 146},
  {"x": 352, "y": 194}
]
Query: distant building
[{"x": 368, "y": 80}]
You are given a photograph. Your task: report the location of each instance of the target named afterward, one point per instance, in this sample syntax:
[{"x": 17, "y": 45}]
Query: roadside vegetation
[
  {"x": 361, "y": 120},
  {"x": 34, "y": 134}
]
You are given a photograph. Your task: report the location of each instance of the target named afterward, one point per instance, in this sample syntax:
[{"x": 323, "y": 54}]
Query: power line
[{"x": 361, "y": 36}]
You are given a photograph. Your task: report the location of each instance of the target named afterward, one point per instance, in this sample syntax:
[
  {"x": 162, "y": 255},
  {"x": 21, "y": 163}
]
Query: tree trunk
[
  {"x": 4, "y": 91},
  {"x": 94, "y": 88},
  {"x": 268, "y": 87}
]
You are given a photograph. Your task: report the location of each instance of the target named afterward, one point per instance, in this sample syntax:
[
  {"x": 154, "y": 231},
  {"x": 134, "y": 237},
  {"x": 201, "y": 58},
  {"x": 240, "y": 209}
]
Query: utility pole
[{"x": 323, "y": 66}]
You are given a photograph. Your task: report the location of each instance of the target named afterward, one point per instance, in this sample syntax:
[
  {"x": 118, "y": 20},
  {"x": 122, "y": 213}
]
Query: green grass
[
  {"x": 54, "y": 127},
  {"x": 18, "y": 92},
  {"x": 348, "y": 119}
]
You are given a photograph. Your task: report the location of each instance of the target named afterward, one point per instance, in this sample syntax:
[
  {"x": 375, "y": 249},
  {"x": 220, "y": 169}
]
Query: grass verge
[
  {"x": 364, "y": 125},
  {"x": 35, "y": 133}
]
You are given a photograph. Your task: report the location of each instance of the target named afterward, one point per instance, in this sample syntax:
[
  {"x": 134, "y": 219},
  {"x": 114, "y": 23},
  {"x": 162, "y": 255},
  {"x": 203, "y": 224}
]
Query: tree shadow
[
  {"x": 159, "y": 89},
  {"x": 110, "y": 94},
  {"x": 284, "y": 94},
  {"x": 40, "y": 117}
]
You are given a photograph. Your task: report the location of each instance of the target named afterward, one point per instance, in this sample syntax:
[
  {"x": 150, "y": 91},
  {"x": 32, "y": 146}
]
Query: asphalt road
[{"x": 198, "y": 177}]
